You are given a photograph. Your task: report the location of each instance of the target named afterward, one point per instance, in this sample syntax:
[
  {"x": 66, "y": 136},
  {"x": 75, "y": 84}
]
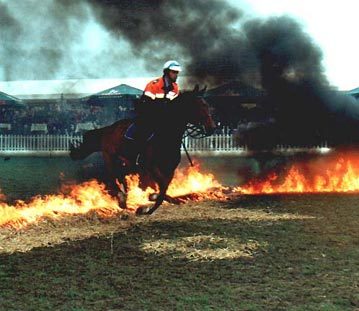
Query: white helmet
[{"x": 172, "y": 65}]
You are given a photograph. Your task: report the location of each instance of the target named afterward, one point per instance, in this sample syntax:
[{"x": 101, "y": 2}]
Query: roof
[
  {"x": 354, "y": 91},
  {"x": 85, "y": 87},
  {"x": 8, "y": 100},
  {"x": 122, "y": 89},
  {"x": 7, "y": 97}
]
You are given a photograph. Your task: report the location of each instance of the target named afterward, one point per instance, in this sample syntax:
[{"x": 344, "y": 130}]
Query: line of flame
[
  {"x": 338, "y": 176},
  {"x": 92, "y": 196}
]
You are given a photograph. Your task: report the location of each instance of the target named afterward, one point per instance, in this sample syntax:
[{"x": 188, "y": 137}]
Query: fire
[
  {"x": 80, "y": 200},
  {"x": 184, "y": 182},
  {"x": 330, "y": 175},
  {"x": 192, "y": 181},
  {"x": 334, "y": 175},
  {"x": 92, "y": 196}
]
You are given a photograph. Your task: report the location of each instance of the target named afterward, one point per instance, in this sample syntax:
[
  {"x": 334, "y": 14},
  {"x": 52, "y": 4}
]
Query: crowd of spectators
[
  {"x": 71, "y": 118},
  {"x": 57, "y": 119}
]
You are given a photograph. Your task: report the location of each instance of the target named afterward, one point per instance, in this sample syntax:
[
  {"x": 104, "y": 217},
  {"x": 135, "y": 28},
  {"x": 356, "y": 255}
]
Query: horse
[{"x": 161, "y": 155}]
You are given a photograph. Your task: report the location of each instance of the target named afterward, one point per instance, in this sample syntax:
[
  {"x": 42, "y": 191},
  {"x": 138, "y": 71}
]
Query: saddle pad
[{"x": 130, "y": 133}]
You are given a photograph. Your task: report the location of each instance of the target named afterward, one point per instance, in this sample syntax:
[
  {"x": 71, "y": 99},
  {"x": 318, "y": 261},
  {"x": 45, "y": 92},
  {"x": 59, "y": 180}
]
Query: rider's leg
[{"x": 144, "y": 129}]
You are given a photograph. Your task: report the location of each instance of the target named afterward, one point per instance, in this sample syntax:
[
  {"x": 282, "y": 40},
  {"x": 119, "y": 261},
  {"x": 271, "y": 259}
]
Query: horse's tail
[{"x": 91, "y": 143}]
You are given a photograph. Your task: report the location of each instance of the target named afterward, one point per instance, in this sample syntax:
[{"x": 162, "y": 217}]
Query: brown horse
[{"x": 160, "y": 156}]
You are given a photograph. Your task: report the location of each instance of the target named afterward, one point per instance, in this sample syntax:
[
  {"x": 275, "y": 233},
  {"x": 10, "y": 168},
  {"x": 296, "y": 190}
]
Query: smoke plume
[
  {"x": 220, "y": 44},
  {"x": 307, "y": 110},
  {"x": 216, "y": 42}
]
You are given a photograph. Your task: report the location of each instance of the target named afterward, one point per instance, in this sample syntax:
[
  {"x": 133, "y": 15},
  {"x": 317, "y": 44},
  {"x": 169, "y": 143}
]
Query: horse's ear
[
  {"x": 196, "y": 89},
  {"x": 203, "y": 90}
]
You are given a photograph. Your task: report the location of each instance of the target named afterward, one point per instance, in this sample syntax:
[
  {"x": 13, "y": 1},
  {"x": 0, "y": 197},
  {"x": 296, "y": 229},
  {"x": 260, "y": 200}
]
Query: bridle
[{"x": 195, "y": 131}]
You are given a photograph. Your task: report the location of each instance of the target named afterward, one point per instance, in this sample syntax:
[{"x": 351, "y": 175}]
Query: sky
[
  {"x": 89, "y": 50},
  {"x": 333, "y": 25}
]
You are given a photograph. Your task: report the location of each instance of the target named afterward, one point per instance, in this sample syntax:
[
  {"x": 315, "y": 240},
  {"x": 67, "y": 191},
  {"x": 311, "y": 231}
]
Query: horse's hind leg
[
  {"x": 122, "y": 193},
  {"x": 117, "y": 187}
]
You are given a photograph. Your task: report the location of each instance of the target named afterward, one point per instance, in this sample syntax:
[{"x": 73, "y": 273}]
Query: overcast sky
[{"x": 333, "y": 25}]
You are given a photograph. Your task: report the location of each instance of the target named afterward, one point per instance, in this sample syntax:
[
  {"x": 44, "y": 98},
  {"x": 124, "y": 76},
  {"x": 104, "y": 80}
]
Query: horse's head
[{"x": 198, "y": 110}]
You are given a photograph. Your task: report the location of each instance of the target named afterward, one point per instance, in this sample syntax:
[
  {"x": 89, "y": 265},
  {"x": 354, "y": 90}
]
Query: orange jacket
[{"x": 156, "y": 89}]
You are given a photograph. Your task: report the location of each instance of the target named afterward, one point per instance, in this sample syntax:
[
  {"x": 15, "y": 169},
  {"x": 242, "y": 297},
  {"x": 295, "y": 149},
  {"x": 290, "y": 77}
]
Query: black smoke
[
  {"x": 306, "y": 108},
  {"x": 220, "y": 44}
]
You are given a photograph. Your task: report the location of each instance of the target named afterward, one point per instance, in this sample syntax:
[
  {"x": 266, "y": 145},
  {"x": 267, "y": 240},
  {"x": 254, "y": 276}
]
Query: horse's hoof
[
  {"x": 177, "y": 201},
  {"x": 150, "y": 211},
  {"x": 121, "y": 199},
  {"x": 142, "y": 210}
]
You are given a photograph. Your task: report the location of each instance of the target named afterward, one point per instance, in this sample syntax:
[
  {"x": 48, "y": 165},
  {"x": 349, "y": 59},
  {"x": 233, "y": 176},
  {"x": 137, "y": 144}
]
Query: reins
[
  {"x": 187, "y": 154},
  {"x": 193, "y": 131}
]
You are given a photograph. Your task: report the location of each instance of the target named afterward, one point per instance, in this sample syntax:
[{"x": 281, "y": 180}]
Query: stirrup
[{"x": 137, "y": 162}]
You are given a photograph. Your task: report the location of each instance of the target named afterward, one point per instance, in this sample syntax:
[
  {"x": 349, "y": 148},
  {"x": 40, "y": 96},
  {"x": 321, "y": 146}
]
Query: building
[
  {"x": 354, "y": 93},
  {"x": 116, "y": 102},
  {"x": 10, "y": 109},
  {"x": 7, "y": 100}
]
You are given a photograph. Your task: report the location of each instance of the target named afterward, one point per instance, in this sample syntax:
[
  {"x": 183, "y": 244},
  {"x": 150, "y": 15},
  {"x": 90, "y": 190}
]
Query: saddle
[
  {"x": 134, "y": 149},
  {"x": 132, "y": 131}
]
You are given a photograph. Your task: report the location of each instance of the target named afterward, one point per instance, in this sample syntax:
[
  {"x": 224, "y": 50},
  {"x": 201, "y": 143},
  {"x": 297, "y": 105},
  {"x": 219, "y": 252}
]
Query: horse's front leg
[
  {"x": 163, "y": 180},
  {"x": 167, "y": 198}
]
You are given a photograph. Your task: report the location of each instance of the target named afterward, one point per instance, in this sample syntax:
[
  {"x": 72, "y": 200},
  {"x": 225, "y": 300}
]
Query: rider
[
  {"x": 166, "y": 86},
  {"x": 157, "y": 95}
]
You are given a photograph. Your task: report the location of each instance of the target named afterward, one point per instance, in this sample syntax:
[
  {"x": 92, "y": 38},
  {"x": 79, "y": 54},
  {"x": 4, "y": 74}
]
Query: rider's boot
[
  {"x": 139, "y": 152},
  {"x": 134, "y": 149},
  {"x": 139, "y": 145}
]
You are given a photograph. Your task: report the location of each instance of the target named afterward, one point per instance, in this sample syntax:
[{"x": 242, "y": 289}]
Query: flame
[
  {"x": 92, "y": 196},
  {"x": 331, "y": 175},
  {"x": 184, "y": 182},
  {"x": 334, "y": 175},
  {"x": 191, "y": 181},
  {"x": 81, "y": 199}
]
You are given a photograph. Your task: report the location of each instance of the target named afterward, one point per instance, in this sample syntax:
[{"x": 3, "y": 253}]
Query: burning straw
[
  {"x": 81, "y": 199},
  {"x": 92, "y": 196},
  {"x": 337, "y": 175}
]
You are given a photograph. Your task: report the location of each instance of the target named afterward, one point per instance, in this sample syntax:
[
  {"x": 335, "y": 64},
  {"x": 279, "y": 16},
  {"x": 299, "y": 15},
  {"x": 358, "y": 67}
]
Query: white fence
[
  {"x": 59, "y": 144},
  {"x": 214, "y": 143},
  {"x": 23, "y": 143}
]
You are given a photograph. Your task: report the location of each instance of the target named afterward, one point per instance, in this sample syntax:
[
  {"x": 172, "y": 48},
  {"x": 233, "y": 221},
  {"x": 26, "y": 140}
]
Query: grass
[{"x": 250, "y": 253}]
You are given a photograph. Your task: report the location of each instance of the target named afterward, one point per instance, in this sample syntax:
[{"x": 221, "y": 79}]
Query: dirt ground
[{"x": 277, "y": 252}]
